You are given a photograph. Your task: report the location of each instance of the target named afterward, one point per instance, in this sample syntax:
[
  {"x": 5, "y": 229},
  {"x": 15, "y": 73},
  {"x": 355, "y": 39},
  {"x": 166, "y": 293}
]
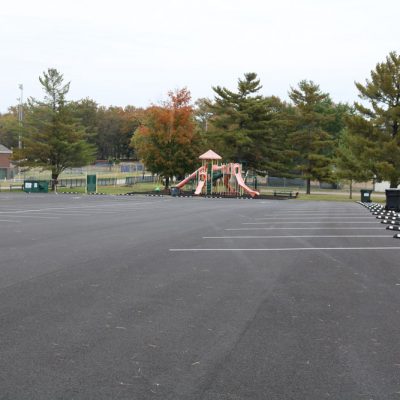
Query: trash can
[
  {"x": 393, "y": 200},
  {"x": 365, "y": 195},
  {"x": 174, "y": 191},
  {"x": 34, "y": 186}
]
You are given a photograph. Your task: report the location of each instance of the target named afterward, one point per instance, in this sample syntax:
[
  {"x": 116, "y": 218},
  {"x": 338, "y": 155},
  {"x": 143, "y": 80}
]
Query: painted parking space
[
  {"x": 18, "y": 209},
  {"x": 342, "y": 227}
]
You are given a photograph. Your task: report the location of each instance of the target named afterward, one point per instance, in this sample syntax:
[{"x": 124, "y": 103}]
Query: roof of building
[
  {"x": 210, "y": 155},
  {"x": 4, "y": 150}
]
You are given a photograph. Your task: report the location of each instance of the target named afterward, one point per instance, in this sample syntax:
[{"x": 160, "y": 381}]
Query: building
[
  {"x": 5, "y": 162},
  {"x": 382, "y": 186}
]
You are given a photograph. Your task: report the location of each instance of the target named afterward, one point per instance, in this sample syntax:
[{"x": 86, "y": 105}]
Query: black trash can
[
  {"x": 174, "y": 191},
  {"x": 393, "y": 200},
  {"x": 365, "y": 195}
]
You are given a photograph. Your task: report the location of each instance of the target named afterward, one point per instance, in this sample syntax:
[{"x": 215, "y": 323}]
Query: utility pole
[
  {"x": 20, "y": 114},
  {"x": 20, "y": 120}
]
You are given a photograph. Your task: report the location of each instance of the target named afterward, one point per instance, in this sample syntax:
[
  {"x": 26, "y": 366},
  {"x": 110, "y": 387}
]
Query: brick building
[{"x": 5, "y": 162}]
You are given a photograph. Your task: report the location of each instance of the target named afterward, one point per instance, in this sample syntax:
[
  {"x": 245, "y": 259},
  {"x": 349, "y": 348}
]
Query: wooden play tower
[
  {"x": 208, "y": 160},
  {"x": 211, "y": 171}
]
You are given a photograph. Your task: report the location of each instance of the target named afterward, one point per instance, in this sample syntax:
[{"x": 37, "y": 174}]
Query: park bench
[
  {"x": 16, "y": 186},
  {"x": 285, "y": 193}
]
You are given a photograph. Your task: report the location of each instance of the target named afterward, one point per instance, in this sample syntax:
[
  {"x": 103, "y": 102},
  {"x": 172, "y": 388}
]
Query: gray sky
[{"x": 121, "y": 52}]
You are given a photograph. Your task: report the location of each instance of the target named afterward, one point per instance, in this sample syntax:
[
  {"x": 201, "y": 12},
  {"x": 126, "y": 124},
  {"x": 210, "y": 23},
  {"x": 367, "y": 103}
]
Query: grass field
[
  {"x": 338, "y": 197},
  {"x": 316, "y": 194}
]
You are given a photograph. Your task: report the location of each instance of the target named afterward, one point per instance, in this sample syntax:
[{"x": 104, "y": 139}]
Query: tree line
[{"x": 310, "y": 136}]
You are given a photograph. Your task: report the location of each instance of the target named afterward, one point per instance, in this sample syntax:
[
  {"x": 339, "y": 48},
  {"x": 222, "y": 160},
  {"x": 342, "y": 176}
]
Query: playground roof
[
  {"x": 4, "y": 150},
  {"x": 210, "y": 155}
]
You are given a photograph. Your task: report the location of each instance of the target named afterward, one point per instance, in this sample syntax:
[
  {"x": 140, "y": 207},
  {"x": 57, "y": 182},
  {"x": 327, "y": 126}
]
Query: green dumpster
[
  {"x": 35, "y": 186},
  {"x": 365, "y": 195},
  {"x": 91, "y": 184}
]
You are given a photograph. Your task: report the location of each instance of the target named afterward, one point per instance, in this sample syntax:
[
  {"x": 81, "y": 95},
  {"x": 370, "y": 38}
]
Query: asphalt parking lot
[{"x": 118, "y": 297}]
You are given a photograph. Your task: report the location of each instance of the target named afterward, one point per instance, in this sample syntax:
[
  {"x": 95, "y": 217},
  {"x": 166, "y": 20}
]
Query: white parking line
[
  {"x": 311, "y": 222},
  {"x": 298, "y": 236},
  {"x": 291, "y": 228},
  {"x": 98, "y": 207},
  {"x": 67, "y": 213},
  {"x": 323, "y": 218},
  {"x": 75, "y": 211},
  {"x": 299, "y": 212},
  {"x": 290, "y": 249},
  {"x": 9, "y": 220},
  {"x": 35, "y": 216},
  {"x": 331, "y": 209},
  {"x": 17, "y": 211}
]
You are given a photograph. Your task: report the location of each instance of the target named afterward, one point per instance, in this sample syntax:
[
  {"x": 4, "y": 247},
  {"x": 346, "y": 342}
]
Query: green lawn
[
  {"x": 336, "y": 197},
  {"x": 316, "y": 195},
  {"x": 325, "y": 194}
]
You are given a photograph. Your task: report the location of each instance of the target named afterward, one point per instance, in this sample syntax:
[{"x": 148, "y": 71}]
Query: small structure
[
  {"x": 213, "y": 170},
  {"x": 208, "y": 160},
  {"x": 5, "y": 162}
]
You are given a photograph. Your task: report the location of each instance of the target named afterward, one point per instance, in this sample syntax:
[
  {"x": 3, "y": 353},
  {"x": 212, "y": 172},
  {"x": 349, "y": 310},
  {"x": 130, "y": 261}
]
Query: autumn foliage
[{"x": 167, "y": 141}]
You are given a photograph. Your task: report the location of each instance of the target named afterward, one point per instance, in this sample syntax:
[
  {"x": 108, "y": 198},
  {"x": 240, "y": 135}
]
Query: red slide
[
  {"x": 241, "y": 183},
  {"x": 199, "y": 187},
  {"x": 189, "y": 178}
]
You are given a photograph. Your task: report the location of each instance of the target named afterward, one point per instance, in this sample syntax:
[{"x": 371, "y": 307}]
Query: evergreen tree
[
  {"x": 86, "y": 112},
  {"x": 202, "y": 114},
  {"x": 348, "y": 164},
  {"x": 53, "y": 138},
  {"x": 244, "y": 126},
  {"x": 376, "y": 126},
  {"x": 311, "y": 143}
]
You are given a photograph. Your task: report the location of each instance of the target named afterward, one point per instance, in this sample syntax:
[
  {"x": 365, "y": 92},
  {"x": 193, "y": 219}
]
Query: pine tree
[
  {"x": 376, "y": 127},
  {"x": 311, "y": 143},
  {"x": 53, "y": 139},
  {"x": 348, "y": 164},
  {"x": 244, "y": 126}
]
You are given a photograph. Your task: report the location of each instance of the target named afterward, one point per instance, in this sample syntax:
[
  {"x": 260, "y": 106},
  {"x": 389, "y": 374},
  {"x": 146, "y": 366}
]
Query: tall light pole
[
  {"x": 20, "y": 120},
  {"x": 20, "y": 113}
]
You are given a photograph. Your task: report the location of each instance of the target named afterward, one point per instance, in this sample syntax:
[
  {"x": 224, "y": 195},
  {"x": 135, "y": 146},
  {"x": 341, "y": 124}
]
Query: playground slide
[
  {"x": 189, "y": 178},
  {"x": 241, "y": 183},
  {"x": 199, "y": 187}
]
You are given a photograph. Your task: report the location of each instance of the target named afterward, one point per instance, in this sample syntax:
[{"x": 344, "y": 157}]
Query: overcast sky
[{"x": 121, "y": 52}]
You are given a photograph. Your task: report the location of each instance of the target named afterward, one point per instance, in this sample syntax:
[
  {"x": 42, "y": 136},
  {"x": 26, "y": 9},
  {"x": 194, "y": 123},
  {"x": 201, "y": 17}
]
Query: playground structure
[{"x": 213, "y": 174}]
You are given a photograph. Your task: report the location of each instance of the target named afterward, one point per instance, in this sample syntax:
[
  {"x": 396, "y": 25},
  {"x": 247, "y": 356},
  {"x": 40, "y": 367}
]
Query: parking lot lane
[{"x": 99, "y": 308}]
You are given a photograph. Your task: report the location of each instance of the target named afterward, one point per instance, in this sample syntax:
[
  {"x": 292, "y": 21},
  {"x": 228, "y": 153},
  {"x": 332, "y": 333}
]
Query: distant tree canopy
[
  {"x": 10, "y": 129},
  {"x": 273, "y": 137},
  {"x": 310, "y": 140},
  {"x": 375, "y": 125},
  {"x": 111, "y": 128},
  {"x": 349, "y": 166},
  {"x": 309, "y": 137},
  {"x": 246, "y": 127},
  {"x": 167, "y": 141}
]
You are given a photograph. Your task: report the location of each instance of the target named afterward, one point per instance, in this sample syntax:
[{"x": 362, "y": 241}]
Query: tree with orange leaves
[{"x": 167, "y": 141}]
